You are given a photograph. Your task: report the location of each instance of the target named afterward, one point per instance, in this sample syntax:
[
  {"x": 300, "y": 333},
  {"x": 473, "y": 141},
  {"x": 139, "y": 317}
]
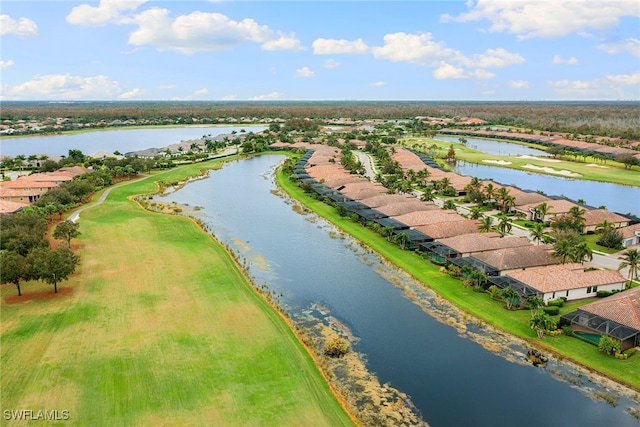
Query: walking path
[{"x": 75, "y": 215}]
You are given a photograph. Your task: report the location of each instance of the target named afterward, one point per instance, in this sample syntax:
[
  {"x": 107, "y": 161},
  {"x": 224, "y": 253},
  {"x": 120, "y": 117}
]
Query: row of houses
[
  {"x": 27, "y": 189},
  {"x": 448, "y": 237}
]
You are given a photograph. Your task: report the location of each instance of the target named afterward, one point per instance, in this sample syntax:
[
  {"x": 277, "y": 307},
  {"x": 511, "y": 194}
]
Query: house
[
  {"x": 440, "y": 230},
  {"x": 19, "y": 195},
  {"x": 424, "y": 217},
  {"x": 630, "y": 235},
  {"x": 593, "y": 217},
  {"x": 510, "y": 259},
  {"x": 617, "y": 316},
  {"x": 571, "y": 281},
  {"x": 8, "y": 207},
  {"x": 555, "y": 207},
  {"x": 468, "y": 244}
]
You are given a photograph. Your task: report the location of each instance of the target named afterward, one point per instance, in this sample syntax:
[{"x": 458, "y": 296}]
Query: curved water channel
[{"x": 325, "y": 276}]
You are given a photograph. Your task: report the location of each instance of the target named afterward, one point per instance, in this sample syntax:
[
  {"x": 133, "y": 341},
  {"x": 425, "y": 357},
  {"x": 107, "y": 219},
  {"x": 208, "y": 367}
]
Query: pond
[
  {"x": 451, "y": 379},
  {"x": 499, "y": 148},
  {"x": 617, "y": 198},
  {"x": 123, "y": 140}
]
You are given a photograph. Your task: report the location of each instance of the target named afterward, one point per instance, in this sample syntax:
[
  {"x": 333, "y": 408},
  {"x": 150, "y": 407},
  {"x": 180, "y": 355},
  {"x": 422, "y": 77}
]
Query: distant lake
[
  {"x": 122, "y": 139},
  {"x": 498, "y": 148}
]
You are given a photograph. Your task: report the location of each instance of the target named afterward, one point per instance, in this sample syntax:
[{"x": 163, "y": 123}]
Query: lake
[
  {"x": 450, "y": 378},
  {"x": 123, "y": 140},
  {"x": 499, "y": 148}
]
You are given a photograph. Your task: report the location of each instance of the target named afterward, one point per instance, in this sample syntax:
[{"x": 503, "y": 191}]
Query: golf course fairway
[{"x": 157, "y": 327}]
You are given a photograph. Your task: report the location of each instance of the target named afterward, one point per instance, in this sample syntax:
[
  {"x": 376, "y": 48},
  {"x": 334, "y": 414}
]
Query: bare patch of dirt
[{"x": 43, "y": 295}]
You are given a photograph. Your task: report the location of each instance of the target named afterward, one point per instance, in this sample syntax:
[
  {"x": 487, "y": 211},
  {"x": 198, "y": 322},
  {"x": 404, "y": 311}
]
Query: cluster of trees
[{"x": 25, "y": 253}]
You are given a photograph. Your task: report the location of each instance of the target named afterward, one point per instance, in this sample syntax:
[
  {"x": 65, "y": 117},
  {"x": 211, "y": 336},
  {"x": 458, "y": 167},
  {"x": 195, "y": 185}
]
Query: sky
[{"x": 486, "y": 50}]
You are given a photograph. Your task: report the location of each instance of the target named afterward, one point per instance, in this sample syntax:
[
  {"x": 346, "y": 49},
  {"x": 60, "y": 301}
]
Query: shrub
[
  {"x": 630, "y": 352},
  {"x": 567, "y": 331},
  {"x": 609, "y": 345},
  {"x": 602, "y": 294},
  {"x": 336, "y": 347},
  {"x": 558, "y": 302},
  {"x": 552, "y": 310},
  {"x": 611, "y": 239}
]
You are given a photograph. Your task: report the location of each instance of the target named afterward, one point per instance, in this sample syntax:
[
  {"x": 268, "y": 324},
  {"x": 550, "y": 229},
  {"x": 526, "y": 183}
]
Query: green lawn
[
  {"x": 158, "y": 327},
  {"x": 477, "y": 304}
]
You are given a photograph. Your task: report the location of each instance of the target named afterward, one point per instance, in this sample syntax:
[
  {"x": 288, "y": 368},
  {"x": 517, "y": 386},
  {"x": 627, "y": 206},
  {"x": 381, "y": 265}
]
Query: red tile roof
[{"x": 622, "y": 308}]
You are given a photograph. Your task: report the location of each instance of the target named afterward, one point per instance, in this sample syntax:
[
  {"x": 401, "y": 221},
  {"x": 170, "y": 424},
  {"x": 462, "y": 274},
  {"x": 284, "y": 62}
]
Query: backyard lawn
[{"x": 158, "y": 327}]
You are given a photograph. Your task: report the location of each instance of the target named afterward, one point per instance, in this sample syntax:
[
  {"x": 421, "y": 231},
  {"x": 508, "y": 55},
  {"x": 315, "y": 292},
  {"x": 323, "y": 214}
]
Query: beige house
[
  {"x": 510, "y": 259},
  {"x": 593, "y": 217},
  {"x": 630, "y": 235},
  {"x": 572, "y": 281},
  {"x": 554, "y": 208}
]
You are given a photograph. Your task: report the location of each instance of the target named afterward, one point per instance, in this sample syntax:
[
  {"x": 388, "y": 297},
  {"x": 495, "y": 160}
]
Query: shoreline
[{"x": 530, "y": 341}]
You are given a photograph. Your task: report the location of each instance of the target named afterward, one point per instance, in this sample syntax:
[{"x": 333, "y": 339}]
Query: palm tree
[
  {"x": 486, "y": 225},
  {"x": 603, "y": 226},
  {"x": 563, "y": 250},
  {"x": 582, "y": 252},
  {"x": 504, "y": 225},
  {"x": 534, "y": 302},
  {"x": 475, "y": 212},
  {"x": 541, "y": 322},
  {"x": 509, "y": 295},
  {"x": 630, "y": 258},
  {"x": 537, "y": 232},
  {"x": 402, "y": 239},
  {"x": 541, "y": 212},
  {"x": 578, "y": 216},
  {"x": 490, "y": 191}
]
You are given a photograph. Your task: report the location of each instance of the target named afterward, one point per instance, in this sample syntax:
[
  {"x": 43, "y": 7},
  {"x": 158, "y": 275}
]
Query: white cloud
[
  {"x": 557, "y": 59},
  {"x": 518, "y": 84},
  {"x": 231, "y": 97},
  {"x": 624, "y": 79},
  {"x": 304, "y": 72},
  {"x": 7, "y": 63},
  {"x": 107, "y": 11},
  {"x": 198, "y": 31},
  {"x": 378, "y": 84},
  {"x": 546, "y": 18},
  {"x": 133, "y": 93},
  {"x": 64, "y": 87},
  {"x": 631, "y": 45},
  {"x": 611, "y": 87},
  {"x": 167, "y": 87},
  {"x": 267, "y": 97},
  {"x": 283, "y": 43},
  {"x": 339, "y": 46},
  {"x": 494, "y": 58},
  {"x": 22, "y": 28},
  {"x": 330, "y": 64},
  {"x": 447, "y": 71},
  {"x": 414, "y": 48},
  {"x": 201, "y": 92}
]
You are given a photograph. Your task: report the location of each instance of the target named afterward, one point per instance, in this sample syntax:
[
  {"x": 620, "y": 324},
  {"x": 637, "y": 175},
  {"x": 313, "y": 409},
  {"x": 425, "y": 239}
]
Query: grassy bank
[
  {"x": 478, "y": 304},
  {"x": 611, "y": 172},
  {"x": 158, "y": 327}
]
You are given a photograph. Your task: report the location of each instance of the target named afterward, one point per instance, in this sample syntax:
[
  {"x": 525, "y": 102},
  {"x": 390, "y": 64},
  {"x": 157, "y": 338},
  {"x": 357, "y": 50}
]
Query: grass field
[
  {"x": 611, "y": 172},
  {"x": 158, "y": 327},
  {"x": 478, "y": 304}
]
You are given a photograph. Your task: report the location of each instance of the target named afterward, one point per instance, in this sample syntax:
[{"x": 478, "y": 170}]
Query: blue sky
[{"x": 326, "y": 50}]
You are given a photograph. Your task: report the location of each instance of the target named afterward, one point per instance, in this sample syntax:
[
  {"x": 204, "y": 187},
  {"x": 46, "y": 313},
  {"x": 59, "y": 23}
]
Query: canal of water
[{"x": 408, "y": 337}]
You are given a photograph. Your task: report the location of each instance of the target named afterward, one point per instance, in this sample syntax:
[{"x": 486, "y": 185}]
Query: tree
[
  {"x": 475, "y": 212},
  {"x": 509, "y": 296},
  {"x": 628, "y": 160},
  {"x": 451, "y": 154},
  {"x": 630, "y": 258},
  {"x": 66, "y": 230},
  {"x": 534, "y": 302},
  {"x": 582, "y": 252},
  {"x": 537, "y": 232},
  {"x": 486, "y": 225},
  {"x": 12, "y": 268},
  {"x": 541, "y": 212},
  {"x": 402, "y": 239},
  {"x": 51, "y": 266},
  {"x": 504, "y": 225},
  {"x": 540, "y": 323},
  {"x": 563, "y": 250},
  {"x": 608, "y": 345}
]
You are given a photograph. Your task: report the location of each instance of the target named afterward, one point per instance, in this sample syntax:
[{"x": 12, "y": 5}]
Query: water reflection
[{"x": 321, "y": 272}]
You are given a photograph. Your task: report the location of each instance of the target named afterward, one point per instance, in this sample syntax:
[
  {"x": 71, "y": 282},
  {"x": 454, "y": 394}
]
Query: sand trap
[
  {"x": 498, "y": 162},
  {"x": 544, "y": 159},
  {"x": 592, "y": 165},
  {"x": 562, "y": 172}
]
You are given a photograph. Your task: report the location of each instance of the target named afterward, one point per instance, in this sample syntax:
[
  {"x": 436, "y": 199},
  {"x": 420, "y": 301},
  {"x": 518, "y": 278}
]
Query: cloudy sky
[{"x": 320, "y": 50}]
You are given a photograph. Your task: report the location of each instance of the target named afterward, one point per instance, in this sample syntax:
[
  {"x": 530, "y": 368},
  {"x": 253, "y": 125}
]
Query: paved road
[{"x": 367, "y": 162}]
